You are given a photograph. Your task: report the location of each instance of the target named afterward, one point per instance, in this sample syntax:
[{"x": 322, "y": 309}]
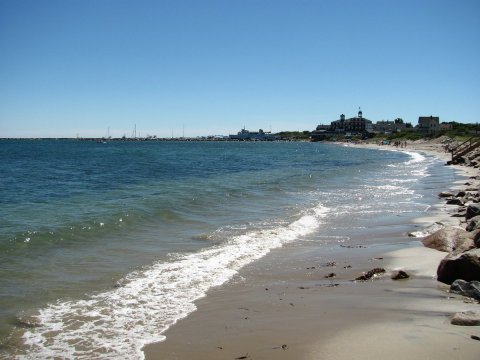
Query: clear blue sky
[{"x": 71, "y": 67}]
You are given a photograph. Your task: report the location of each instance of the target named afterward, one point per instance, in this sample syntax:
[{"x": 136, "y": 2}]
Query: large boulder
[
  {"x": 476, "y": 238},
  {"x": 449, "y": 239},
  {"x": 472, "y": 211},
  {"x": 467, "y": 318},
  {"x": 455, "y": 201},
  {"x": 465, "y": 288},
  {"x": 473, "y": 224},
  {"x": 465, "y": 266}
]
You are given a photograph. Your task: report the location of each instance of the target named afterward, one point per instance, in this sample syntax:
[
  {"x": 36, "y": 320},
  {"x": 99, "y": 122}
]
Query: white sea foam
[
  {"x": 415, "y": 157},
  {"x": 118, "y": 323}
]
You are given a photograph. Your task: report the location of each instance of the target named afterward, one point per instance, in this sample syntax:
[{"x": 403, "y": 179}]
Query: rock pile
[{"x": 461, "y": 266}]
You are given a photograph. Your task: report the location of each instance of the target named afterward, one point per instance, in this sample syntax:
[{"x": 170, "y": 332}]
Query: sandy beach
[{"x": 307, "y": 306}]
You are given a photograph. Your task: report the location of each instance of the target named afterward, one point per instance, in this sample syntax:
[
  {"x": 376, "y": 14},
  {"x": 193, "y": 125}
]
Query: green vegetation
[
  {"x": 294, "y": 135},
  {"x": 460, "y": 131},
  {"x": 457, "y": 131},
  {"x": 404, "y": 135}
]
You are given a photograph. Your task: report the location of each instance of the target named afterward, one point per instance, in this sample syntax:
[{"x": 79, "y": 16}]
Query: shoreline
[{"x": 284, "y": 308}]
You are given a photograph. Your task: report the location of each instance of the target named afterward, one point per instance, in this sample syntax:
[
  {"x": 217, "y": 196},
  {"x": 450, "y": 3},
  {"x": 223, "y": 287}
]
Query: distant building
[
  {"x": 388, "y": 127},
  {"x": 353, "y": 126},
  {"x": 245, "y": 135},
  {"x": 428, "y": 125}
]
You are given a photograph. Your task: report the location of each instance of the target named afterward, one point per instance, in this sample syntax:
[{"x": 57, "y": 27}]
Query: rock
[
  {"x": 469, "y": 289},
  {"x": 474, "y": 224},
  {"x": 428, "y": 230},
  {"x": 460, "y": 160},
  {"x": 461, "y": 194},
  {"x": 467, "y": 318},
  {"x": 465, "y": 266},
  {"x": 369, "y": 274},
  {"x": 330, "y": 264},
  {"x": 455, "y": 201},
  {"x": 472, "y": 211},
  {"x": 449, "y": 239},
  {"x": 399, "y": 275},
  {"x": 460, "y": 213},
  {"x": 476, "y": 240},
  {"x": 445, "y": 194}
]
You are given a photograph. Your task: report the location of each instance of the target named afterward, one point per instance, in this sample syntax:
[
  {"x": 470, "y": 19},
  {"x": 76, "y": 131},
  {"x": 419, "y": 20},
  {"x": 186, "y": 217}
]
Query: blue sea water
[{"x": 105, "y": 245}]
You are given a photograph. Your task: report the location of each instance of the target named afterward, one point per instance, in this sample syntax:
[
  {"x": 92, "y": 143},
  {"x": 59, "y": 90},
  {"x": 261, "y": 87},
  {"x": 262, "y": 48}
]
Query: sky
[{"x": 208, "y": 67}]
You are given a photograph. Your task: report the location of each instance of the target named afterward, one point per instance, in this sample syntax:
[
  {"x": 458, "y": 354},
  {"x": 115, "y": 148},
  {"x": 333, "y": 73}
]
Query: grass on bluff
[{"x": 459, "y": 132}]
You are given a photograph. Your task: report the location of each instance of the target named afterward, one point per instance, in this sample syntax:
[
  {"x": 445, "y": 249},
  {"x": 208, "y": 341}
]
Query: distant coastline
[{"x": 149, "y": 139}]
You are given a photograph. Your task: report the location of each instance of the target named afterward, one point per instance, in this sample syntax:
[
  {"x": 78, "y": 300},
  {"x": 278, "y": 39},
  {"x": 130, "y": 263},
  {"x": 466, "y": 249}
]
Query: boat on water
[{"x": 260, "y": 135}]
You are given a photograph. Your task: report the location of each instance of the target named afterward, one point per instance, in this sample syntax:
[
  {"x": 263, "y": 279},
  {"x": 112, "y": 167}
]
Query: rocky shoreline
[{"x": 461, "y": 266}]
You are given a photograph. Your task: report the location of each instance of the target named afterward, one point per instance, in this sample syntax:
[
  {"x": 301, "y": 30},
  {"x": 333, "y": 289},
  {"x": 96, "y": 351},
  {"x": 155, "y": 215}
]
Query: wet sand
[{"x": 285, "y": 307}]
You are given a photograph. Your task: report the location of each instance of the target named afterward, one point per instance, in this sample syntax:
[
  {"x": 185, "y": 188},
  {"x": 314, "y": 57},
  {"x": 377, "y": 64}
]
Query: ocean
[{"x": 103, "y": 246}]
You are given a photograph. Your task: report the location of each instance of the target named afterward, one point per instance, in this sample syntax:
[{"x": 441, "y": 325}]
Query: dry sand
[{"x": 283, "y": 307}]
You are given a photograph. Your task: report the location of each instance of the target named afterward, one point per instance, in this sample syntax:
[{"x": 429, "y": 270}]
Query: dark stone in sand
[
  {"x": 467, "y": 318},
  {"x": 476, "y": 240},
  {"x": 469, "y": 289},
  {"x": 465, "y": 266},
  {"x": 445, "y": 194},
  {"x": 472, "y": 211},
  {"x": 369, "y": 274},
  {"x": 474, "y": 224},
  {"x": 330, "y": 264},
  {"x": 475, "y": 337},
  {"x": 455, "y": 201},
  {"x": 449, "y": 239},
  {"x": 331, "y": 275},
  {"x": 246, "y": 356},
  {"x": 399, "y": 275}
]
